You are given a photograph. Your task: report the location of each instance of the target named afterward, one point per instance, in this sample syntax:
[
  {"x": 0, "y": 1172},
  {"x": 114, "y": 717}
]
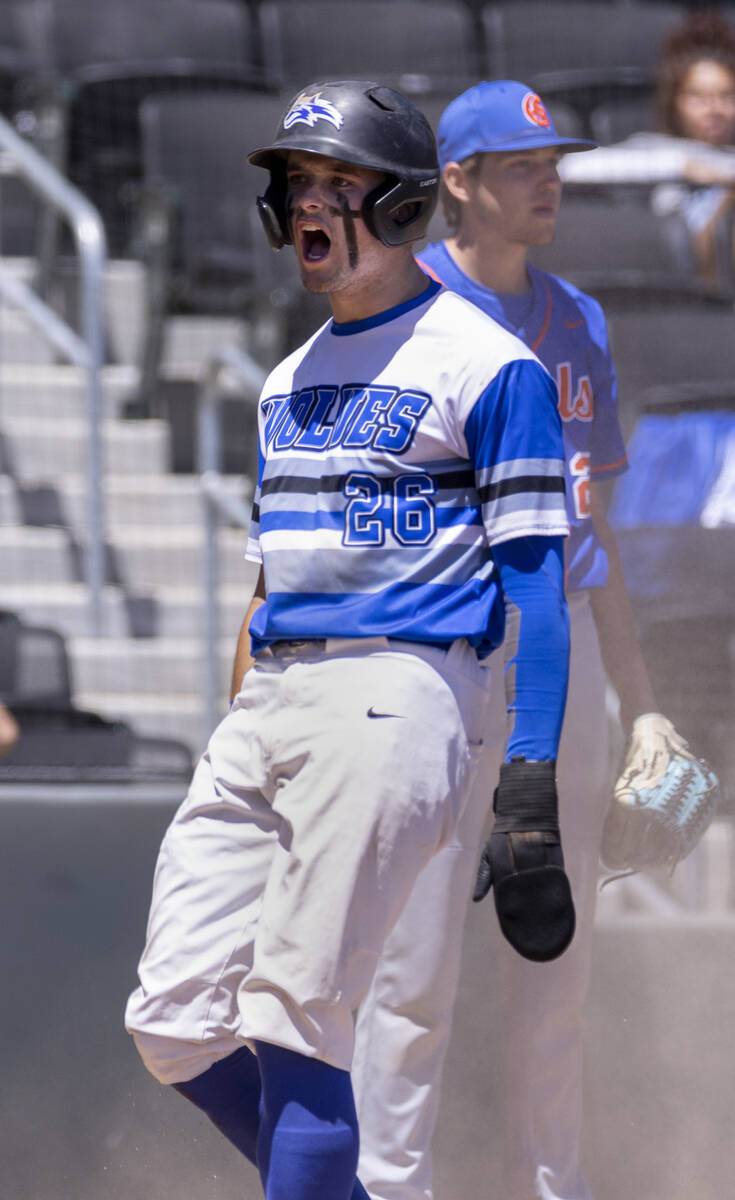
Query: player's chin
[
  {"x": 542, "y": 232},
  {"x": 316, "y": 278}
]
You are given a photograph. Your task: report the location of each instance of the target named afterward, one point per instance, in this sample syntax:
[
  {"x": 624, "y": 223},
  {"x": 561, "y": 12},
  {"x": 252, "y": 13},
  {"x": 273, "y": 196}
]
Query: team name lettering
[
  {"x": 355, "y": 417},
  {"x": 582, "y": 406}
]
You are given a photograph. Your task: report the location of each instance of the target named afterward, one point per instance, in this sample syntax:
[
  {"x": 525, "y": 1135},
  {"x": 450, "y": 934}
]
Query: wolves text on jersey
[{"x": 355, "y": 417}]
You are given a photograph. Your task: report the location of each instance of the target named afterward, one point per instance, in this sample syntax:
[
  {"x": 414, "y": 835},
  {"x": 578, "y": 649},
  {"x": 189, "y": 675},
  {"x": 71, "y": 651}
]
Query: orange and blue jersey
[{"x": 566, "y": 329}]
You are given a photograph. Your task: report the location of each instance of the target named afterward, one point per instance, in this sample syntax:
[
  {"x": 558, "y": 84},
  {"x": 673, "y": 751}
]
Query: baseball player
[
  {"x": 409, "y": 496},
  {"x": 499, "y": 153}
]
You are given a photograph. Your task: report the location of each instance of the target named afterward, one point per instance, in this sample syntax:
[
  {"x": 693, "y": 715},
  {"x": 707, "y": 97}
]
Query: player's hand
[
  {"x": 9, "y": 730},
  {"x": 524, "y": 863},
  {"x": 664, "y": 800}
]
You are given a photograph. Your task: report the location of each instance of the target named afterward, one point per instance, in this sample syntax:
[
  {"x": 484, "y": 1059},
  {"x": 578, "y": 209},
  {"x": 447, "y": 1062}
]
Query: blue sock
[
  {"x": 229, "y": 1092},
  {"x": 308, "y": 1140}
]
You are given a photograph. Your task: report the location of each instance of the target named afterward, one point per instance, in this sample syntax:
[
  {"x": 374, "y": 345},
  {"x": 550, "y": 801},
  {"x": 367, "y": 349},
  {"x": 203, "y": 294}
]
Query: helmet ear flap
[
  {"x": 381, "y": 210},
  {"x": 272, "y": 209},
  {"x": 270, "y": 222}
]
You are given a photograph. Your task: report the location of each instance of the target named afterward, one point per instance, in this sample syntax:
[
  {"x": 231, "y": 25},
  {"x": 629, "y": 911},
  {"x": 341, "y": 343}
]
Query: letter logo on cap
[{"x": 534, "y": 111}]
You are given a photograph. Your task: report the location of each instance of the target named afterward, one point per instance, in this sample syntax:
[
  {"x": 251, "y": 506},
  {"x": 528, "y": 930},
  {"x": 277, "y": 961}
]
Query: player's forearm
[
  {"x": 611, "y": 608},
  {"x": 619, "y": 646},
  {"x": 243, "y": 657},
  {"x": 536, "y": 645}
]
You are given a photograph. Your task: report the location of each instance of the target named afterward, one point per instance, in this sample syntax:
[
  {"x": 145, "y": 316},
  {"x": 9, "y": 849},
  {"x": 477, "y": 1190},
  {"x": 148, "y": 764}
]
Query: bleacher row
[
  {"x": 150, "y": 107},
  {"x": 75, "y": 72}
]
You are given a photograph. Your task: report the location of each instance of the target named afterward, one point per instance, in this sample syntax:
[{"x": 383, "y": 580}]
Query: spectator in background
[
  {"x": 9, "y": 731},
  {"x": 691, "y": 158}
]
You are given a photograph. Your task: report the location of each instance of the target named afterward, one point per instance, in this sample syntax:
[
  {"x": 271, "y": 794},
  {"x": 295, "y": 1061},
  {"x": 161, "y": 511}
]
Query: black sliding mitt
[{"x": 523, "y": 862}]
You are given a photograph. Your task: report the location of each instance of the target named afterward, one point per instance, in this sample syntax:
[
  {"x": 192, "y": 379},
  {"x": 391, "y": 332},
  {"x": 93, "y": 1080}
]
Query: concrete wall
[{"x": 81, "y": 1120}]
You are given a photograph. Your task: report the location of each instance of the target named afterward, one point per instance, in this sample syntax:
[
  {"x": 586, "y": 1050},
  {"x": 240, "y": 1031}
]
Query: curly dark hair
[{"x": 704, "y": 35}]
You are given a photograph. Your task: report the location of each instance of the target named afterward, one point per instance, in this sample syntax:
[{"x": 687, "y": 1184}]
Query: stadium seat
[
  {"x": 24, "y": 48},
  {"x": 577, "y": 51},
  {"x": 417, "y": 45},
  {"x": 61, "y": 743},
  {"x": 34, "y": 669},
  {"x": 201, "y": 189},
  {"x": 194, "y": 158},
  {"x": 674, "y": 359},
  {"x": 109, "y": 57},
  {"x": 618, "y": 119},
  {"x": 24, "y": 57},
  {"x": 617, "y": 249}
]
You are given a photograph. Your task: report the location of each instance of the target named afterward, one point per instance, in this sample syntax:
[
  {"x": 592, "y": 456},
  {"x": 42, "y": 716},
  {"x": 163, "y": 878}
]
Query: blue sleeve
[
  {"x": 516, "y": 417},
  {"x": 514, "y": 440},
  {"x": 536, "y": 644}
]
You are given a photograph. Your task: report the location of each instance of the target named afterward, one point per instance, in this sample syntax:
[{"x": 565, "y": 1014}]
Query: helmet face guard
[{"x": 367, "y": 125}]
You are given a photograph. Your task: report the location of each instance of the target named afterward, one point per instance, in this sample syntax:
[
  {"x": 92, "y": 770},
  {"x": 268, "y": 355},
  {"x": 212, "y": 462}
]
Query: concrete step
[
  {"x": 65, "y": 607},
  {"x": 40, "y": 451},
  {"x": 145, "y": 666},
  {"x": 41, "y": 391},
  {"x": 190, "y": 341},
  {"x": 35, "y": 555},
  {"x": 180, "y": 610},
  {"x": 124, "y": 291},
  {"x": 20, "y": 340},
  {"x": 152, "y": 557},
  {"x": 153, "y": 500}
]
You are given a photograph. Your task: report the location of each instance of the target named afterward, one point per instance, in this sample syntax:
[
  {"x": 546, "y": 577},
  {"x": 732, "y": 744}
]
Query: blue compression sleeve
[
  {"x": 536, "y": 644},
  {"x": 229, "y": 1092},
  {"x": 308, "y": 1140}
]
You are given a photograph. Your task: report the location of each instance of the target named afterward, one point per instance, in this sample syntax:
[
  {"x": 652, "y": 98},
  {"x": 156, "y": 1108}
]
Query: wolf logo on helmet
[{"x": 307, "y": 110}]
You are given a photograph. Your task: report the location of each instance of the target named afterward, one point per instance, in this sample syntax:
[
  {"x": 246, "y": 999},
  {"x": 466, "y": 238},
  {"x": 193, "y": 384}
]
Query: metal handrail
[
  {"x": 85, "y": 351},
  {"x": 216, "y": 499}
]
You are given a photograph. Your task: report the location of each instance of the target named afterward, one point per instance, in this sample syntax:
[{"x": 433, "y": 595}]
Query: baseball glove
[{"x": 662, "y": 803}]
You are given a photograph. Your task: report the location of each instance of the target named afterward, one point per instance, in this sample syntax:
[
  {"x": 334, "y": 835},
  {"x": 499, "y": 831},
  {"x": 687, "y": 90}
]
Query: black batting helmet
[{"x": 367, "y": 125}]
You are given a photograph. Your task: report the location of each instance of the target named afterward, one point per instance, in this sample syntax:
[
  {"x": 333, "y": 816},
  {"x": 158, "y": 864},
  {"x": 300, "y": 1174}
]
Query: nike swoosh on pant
[{"x": 379, "y": 715}]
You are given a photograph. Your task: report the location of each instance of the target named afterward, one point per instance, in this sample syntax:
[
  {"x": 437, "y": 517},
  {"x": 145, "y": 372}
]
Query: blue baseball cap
[{"x": 499, "y": 116}]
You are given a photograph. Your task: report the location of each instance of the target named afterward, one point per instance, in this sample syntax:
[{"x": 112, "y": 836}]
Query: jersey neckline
[{"x": 346, "y": 328}]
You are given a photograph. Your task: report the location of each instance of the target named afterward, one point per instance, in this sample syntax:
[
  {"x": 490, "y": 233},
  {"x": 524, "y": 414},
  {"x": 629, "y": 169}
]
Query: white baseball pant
[
  {"x": 404, "y": 1023},
  {"x": 341, "y": 770}
]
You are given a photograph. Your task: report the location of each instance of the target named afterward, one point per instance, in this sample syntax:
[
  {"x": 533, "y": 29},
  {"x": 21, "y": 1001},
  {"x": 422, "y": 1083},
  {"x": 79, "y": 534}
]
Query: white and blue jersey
[
  {"x": 566, "y": 329},
  {"x": 394, "y": 452}
]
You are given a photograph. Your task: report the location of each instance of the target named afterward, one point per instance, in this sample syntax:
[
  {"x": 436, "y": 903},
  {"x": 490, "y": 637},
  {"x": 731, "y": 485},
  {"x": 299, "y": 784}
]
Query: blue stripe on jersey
[
  {"x": 515, "y": 431},
  {"x": 445, "y": 517},
  {"x": 516, "y": 417},
  {"x": 423, "y": 613}
]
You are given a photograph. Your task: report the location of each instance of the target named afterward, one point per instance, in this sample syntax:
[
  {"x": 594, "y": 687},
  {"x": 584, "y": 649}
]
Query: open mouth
[{"x": 315, "y": 243}]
